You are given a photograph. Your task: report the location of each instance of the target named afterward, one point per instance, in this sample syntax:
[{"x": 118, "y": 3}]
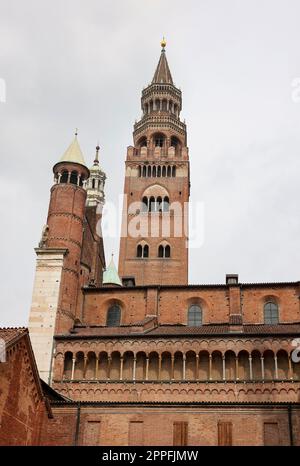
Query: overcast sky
[{"x": 69, "y": 64}]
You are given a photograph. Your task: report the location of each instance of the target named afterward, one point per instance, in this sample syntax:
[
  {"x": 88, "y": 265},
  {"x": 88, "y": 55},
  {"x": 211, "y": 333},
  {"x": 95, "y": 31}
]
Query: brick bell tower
[
  {"x": 154, "y": 239},
  {"x": 57, "y": 277}
]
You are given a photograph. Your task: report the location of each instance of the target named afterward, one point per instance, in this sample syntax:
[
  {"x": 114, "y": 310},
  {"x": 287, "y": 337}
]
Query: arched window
[
  {"x": 154, "y": 171},
  {"x": 174, "y": 141},
  {"x": 144, "y": 170},
  {"x": 271, "y": 313},
  {"x": 158, "y": 171},
  {"x": 145, "y": 204},
  {"x": 64, "y": 177},
  {"x": 146, "y": 251},
  {"x": 167, "y": 251},
  {"x": 143, "y": 142},
  {"x": 93, "y": 183},
  {"x": 142, "y": 251},
  {"x": 152, "y": 204},
  {"x": 159, "y": 140},
  {"x": 149, "y": 171},
  {"x": 159, "y": 204},
  {"x": 174, "y": 171},
  {"x": 164, "y": 251},
  {"x": 164, "y": 170},
  {"x": 113, "y": 317},
  {"x": 161, "y": 251},
  {"x": 166, "y": 205},
  {"x": 139, "y": 171},
  {"x": 74, "y": 177},
  {"x": 169, "y": 171},
  {"x": 194, "y": 316}
]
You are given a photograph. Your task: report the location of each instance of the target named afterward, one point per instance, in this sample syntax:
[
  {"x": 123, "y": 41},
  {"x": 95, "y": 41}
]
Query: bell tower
[
  {"x": 154, "y": 238},
  {"x": 58, "y": 264}
]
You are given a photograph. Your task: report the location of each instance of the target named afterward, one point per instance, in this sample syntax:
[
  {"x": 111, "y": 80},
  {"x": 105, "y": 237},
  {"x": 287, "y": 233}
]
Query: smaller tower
[
  {"x": 56, "y": 285},
  {"x": 96, "y": 182}
]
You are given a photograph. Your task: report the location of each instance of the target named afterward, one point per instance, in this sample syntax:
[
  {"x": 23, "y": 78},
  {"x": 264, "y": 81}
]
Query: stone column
[
  {"x": 224, "y": 367},
  {"x": 262, "y": 368},
  {"x": 69, "y": 177},
  {"x": 134, "y": 368},
  {"x": 197, "y": 366},
  {"x": 108, "y": 367},
  {"x": 276, "y": 366},
  {"x": 73, "y": 368},
  {"x": 236, "y": 368},
  {"x": 97, "y": 367},
  {"x": 210, "y": 367},
  {"x": 183, "y": 366},
  {"x": 121, "y": 367},
  {"x": 250, "y": 367},
  {"x": 172, "y": 367},
  {"x": 84, "y": 365},
  {"x": 290, "y": 374},
  {"x": 159, "y": 367},
  {"x": 147, "y": 367}
]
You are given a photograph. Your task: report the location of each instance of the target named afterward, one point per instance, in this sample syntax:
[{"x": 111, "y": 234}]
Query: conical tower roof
[
  {"x": 73, "y": 153},
  {"x": 111, "y": 276},
  {"x": 162, "y": 73}
]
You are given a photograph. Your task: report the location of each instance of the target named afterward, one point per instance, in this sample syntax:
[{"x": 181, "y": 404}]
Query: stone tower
[
  {"x": 58, "y": 268},
  {"x": 154, "y": 239}
]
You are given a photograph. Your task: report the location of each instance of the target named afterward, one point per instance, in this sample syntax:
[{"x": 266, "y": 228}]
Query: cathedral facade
[{"x": 138, "y": 355}]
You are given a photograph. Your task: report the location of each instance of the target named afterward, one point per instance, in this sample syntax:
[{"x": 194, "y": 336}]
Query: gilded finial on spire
[{"x": 163, "y": 43}]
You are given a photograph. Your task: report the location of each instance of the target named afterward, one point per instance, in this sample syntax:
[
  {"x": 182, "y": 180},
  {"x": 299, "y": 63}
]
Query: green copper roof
[
  {"x": 73, "y": 153},
  {"x": 111, "y": 276}
]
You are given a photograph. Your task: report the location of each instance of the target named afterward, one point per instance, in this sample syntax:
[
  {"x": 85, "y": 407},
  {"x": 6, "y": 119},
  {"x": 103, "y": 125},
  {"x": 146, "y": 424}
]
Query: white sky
[{"x": 83, "y": 64}]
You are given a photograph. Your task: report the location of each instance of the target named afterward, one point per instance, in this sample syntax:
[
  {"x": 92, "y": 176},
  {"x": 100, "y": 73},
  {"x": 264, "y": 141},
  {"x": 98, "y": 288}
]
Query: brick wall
[
  {"x": 171, "y": 303},
  {"x": 117, "y": 425},
  {"x": 22, "y": 407}
]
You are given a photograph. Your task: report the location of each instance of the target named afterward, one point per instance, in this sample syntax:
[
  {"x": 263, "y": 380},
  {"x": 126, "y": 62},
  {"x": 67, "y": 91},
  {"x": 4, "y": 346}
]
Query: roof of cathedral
[
  {"x": 73, "y": 153},
  {"x": 12, "y": 333},
  {"x": 110, "y": 275},
  {"x": 136, "y": 330},
  {"x": 162, "y": 73}
]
